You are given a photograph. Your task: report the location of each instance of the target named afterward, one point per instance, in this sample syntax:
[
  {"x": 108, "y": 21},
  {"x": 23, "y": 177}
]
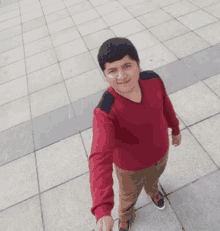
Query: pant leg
[
  {"x": 152, "y": 176},
  {"x": 130, "y": 186}
]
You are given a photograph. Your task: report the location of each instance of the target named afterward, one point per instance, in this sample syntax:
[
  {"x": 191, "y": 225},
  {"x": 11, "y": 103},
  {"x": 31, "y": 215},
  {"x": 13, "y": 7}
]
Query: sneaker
[
  {"x": 159, "y": 202},
  {"x": 123, "y": 225}
]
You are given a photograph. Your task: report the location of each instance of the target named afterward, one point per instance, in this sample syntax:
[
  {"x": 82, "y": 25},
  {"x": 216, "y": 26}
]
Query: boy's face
[{"x": 121, "y": 71}]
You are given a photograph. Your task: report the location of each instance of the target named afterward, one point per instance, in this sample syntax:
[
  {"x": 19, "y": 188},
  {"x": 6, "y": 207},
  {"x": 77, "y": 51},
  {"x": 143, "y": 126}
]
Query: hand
[
  {"x": 104, "y": 224},
  {"x": 176, "y": 140}
]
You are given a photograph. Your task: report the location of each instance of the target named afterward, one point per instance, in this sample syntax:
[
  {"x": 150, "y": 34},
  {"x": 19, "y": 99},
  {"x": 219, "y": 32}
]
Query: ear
[{"x": 139, "y": 65}]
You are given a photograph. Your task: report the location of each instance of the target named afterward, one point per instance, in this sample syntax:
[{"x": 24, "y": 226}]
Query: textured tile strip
[{"x": 62, "y": 123}]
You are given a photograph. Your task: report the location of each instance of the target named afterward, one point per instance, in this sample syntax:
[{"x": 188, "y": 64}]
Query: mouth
[{"x": 125, "y": 82}]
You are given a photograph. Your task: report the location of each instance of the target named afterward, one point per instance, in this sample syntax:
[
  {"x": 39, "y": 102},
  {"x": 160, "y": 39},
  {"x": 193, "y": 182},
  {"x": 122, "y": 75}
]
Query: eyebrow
[{"x": 116, "y": 67}]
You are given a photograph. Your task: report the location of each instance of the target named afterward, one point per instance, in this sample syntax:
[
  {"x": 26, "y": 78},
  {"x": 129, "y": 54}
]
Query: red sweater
[{"x": 132, "y": 135}]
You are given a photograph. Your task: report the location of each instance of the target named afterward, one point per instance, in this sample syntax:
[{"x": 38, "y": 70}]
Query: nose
[{"x": 120, "y": 75}]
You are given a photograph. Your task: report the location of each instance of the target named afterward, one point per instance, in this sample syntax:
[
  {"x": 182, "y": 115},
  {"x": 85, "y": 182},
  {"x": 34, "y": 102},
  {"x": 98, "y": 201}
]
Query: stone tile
[
  {"x": 13, "y": 90},
  {"x": 11, "y": 32},
  {"x": 155, "y": 57},
  {"x": 32, "y": 15},
  {"x": 85, "y": 16},
  {"x": 23, "y": 216},
  {"x": 21, "y": 181},
  {"x": 73, "y": 2},
  {"x": 14, "y": 113},
  {"x": 94, "y": 54},
  {"x": 96, "y": 3},
  {"x": 11, "y": 56},
  {"x": 35, "y": 34},
  {"x": 203, "y": 3},
  {"x": 77, "y": 65},
  {"x": 65, "y": 36},
  {"x": 40, "y": 60},
  {"x": 18, "y": 142},
  {"x": 84, "y": 121},
  {"x": 62, "y": 200},
  {"x": 180, "y": 8},
  {"x": 143, "y": 40},
  {"x": 9, "y": 15},
  {"x": 54, "y": 126},
  {"x": 9, "y": 2},
  {"x": 151, "y": 218},
  {"x": 109, "y": 8},
  {"x": 142, "y": 8},
  {"x": 85, "y": 116},
  {"x": 154, "y": 18},
  {"x": 70, "y": 49},
  {"x": 176, "y": 76},
  {"x": 214, "y": 84},
  {"x": 198, "y": 198},
  {"x": 48, "y": 2},
  {"x": 214, "y": 10},
  {"x": 168, "y": 30},
  {"x": 54, "y": 7},
  {"x": 33, "y": 24},
  {"x": 117, "y": 17},
  {"x": 185, "y": 45},
  {"x": 44, "y": 78},
  {"x": 127, "y": 28},
  {"x": 207, "y": 133},
  {"x": 56, "y": 16},
  {"x": 195, "y": 103},
  {"x": 98, "y": 38},
  {"x": 11, "y": 43},
  {"x": 9, "y": 8},
  {"x": 10, "y": 23},
  {"x": 76, "y": 8},
  {"x": 127, "y": 3},
  {"x": 92, "y": 26},
  {"x": 61, "y": 162},
  {"x": 85, "y": 84},
  {"x": 87, "y": 139},
  {"x": 38, "y": 46},
  {"x": 60, "y": 25},
  {"x": 45, "y": 100},
  {"x": 31, "y": 7},
  {"x": 185, "y": 164},
  {"x": 210, "y": 33},
  {"x": 24, "y": 3},
  {"x": 197, "y": 19},
  {"x": 12, "y": 71},
  {"x": 163, "y": 3},
  {"x": 204, "y": 63}
]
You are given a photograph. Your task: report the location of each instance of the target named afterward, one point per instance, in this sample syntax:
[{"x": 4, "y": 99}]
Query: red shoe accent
[{"x": 124, "y": 224}]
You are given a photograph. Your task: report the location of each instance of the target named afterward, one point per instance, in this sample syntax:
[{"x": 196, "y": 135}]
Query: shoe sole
[{"x": 161, "y": 207}]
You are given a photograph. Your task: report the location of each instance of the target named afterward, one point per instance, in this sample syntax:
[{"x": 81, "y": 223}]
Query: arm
[
  {"x": 100, "y": 164},
  {"x": 169, "y": 112}
]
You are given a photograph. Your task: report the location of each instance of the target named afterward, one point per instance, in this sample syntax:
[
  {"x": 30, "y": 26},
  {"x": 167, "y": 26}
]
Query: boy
[{"x": 130, "y": 129}]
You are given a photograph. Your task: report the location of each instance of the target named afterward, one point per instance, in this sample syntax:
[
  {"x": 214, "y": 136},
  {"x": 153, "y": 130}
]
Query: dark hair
[{"x": 115, "y": 49}]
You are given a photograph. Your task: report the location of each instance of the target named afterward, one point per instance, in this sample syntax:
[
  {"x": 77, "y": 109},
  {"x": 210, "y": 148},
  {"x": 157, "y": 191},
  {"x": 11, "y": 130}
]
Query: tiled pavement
[{"x": 50, "y": 83}]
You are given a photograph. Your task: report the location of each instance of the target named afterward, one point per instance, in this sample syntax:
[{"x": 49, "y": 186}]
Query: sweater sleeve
[
  {"x": 169, "y": 112},
  {"x": 100, "y": 164}
]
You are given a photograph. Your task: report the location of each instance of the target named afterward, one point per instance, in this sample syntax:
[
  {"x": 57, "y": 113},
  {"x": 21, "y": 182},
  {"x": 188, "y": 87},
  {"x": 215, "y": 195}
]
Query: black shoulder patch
[
  {"x": 106, "y": 102},
  {"x": 145, "y": 75}
]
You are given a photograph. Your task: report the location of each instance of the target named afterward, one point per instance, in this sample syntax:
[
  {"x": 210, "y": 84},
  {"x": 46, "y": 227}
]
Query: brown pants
[{"x": 132, "y": 182}]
